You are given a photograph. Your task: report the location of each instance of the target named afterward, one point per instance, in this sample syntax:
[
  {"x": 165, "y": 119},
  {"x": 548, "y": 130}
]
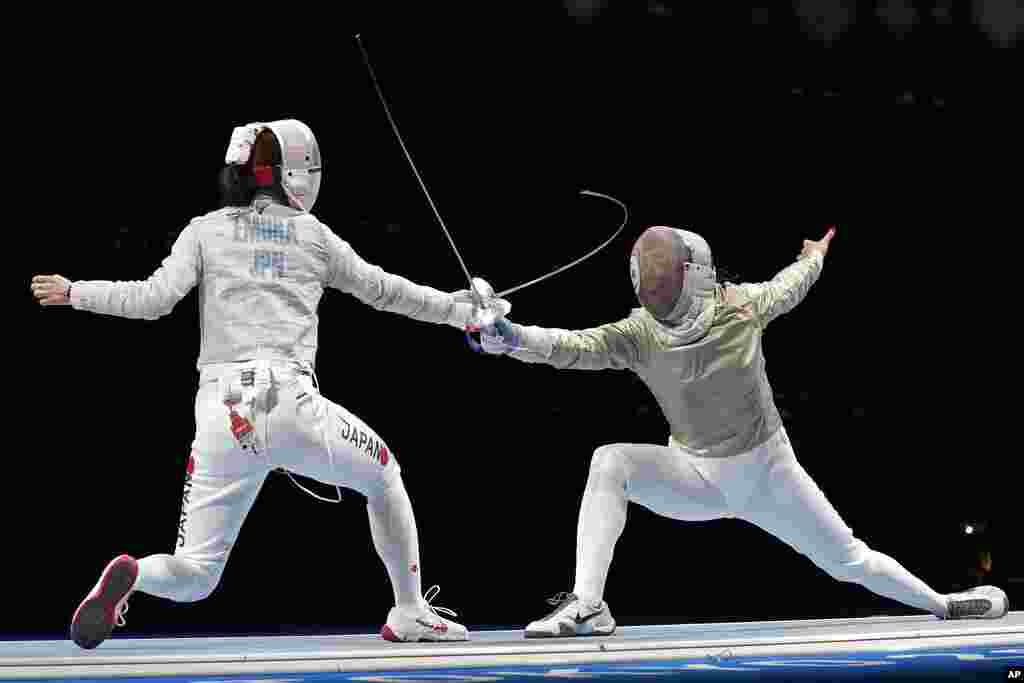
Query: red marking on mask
[
  {"x": 384, "y": 456},
  {"x": 190, "y": 466},
  {"x": 263, "y": 175},
  {"x": 415, "y": 568}
]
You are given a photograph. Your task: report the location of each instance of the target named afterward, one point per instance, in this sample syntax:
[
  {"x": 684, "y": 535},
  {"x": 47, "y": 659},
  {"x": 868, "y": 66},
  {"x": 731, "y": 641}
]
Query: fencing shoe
[
  {"x": 105, "y": 607},
  {"x": 411, "y": 625},
  {"x": 983, "y": 602},
  {"x": 571, "y": 617}
]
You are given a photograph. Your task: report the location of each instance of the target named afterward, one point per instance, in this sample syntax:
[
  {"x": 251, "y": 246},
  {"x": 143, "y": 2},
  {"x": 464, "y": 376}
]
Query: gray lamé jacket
[
  {"x": 261, "y": 272},
  {"x": 714, "y": 391}
]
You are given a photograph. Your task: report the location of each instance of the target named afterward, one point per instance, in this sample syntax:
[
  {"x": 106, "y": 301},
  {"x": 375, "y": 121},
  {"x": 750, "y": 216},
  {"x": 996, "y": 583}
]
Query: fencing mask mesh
[
  {"x": 300, "y": 168},
  {"x": 674, "y": 278}
]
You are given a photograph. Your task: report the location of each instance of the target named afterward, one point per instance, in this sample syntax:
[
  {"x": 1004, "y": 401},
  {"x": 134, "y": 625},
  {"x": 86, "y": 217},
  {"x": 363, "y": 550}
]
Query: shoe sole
[
  {"x": 94, "y": 620},
  {"x": 570, "y": 633},
  {"x": 389, "y": 635},
  {"x": 988, "y": 592}
]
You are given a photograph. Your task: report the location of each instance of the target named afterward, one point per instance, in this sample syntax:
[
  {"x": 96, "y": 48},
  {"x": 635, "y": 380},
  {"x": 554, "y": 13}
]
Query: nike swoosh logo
[{"x": 586, "y": 618}]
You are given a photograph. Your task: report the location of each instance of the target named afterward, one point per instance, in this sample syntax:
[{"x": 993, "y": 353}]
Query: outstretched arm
[
  {"x": 387, "y": 292},
  {"x": 617, "y": 345},
  {"x": 147, "y": 299},
  {"x": 791, "y": 285}
]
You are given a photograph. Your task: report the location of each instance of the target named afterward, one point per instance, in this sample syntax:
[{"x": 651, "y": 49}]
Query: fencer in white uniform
[
  {"x": 696, "y": 344},
  {"x": 262, "y": 264}
]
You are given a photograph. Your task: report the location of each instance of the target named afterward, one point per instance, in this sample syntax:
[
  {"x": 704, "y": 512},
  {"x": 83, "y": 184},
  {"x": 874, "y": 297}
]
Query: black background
[{"x": 896, "y": 377}]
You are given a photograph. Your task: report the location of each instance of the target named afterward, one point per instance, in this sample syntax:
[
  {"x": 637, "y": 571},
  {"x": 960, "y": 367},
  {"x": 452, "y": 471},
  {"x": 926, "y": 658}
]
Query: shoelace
[
  {"x": 120, "y": 611},
  {"x": 436, "y": 609},
  {"x": 560, "y": 600}
]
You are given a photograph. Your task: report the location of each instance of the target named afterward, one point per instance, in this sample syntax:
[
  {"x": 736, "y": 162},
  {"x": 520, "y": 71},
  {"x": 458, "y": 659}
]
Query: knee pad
[{"x": 856, "y": 562}]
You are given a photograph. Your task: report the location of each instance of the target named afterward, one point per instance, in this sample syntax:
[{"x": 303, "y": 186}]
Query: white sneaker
[
  {"x": 106, "y": 604},
  {"x": 410, "y": 625},
  {"x": 572, "y": 617},
  {"x": 983, "y": 602}
]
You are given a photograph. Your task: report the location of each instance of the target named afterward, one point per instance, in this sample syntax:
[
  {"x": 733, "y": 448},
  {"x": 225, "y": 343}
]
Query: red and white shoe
[
  {"x": 422, "y": 625},
  {"x": 106, "y": 605}
]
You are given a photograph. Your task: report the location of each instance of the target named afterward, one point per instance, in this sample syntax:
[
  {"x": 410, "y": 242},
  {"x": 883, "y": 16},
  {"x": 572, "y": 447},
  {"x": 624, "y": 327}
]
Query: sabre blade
[
  {"x": 589, "y": 193},
  {"x": 394, "y": 127},
  {"x": 482, "y": 302}
]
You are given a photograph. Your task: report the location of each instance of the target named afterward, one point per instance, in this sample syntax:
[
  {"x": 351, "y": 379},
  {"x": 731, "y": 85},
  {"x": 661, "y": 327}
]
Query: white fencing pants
[
  {"x": 299, "y": 431},
  {"x": 766, "y": 487}
]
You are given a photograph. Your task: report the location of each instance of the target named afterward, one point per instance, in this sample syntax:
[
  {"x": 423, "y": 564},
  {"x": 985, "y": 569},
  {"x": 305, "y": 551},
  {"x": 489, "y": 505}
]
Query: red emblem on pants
[
  {"x": 240, "y": 427},
  {"x": 242, "y": 430}
]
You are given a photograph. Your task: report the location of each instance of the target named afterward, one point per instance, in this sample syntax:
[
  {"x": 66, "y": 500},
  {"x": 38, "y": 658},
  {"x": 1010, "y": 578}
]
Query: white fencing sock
[
  {"x": 394, "y": 536},
  {"x": 602, "y": 519}
]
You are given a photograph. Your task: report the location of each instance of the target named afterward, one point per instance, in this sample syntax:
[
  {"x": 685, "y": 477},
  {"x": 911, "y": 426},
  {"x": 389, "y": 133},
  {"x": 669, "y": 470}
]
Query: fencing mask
[
  {"x": 674, "y": 279},
  {"x": 301, "y": 169}
]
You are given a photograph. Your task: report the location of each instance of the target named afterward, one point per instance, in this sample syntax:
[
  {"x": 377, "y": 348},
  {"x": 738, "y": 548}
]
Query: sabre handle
[
  {"x": 502, "y": 332},
  {"x": 474, "y": 345}
]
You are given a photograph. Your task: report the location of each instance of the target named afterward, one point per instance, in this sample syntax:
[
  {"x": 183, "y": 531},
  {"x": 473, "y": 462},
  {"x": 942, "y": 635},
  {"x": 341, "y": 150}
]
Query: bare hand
[
  {"x": 51, "y": 290},
  {"x": 821, "y": 245}
]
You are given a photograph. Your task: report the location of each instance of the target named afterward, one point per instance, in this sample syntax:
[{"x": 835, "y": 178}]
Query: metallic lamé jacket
[
  {"x": 261, "y": 274},
  {"x": 714, "y": 391}
]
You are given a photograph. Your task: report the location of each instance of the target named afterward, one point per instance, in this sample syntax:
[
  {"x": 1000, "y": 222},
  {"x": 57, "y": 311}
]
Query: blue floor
[
  {"x": 959, "y": 664},
  {"x": 918, "y": 648}
]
